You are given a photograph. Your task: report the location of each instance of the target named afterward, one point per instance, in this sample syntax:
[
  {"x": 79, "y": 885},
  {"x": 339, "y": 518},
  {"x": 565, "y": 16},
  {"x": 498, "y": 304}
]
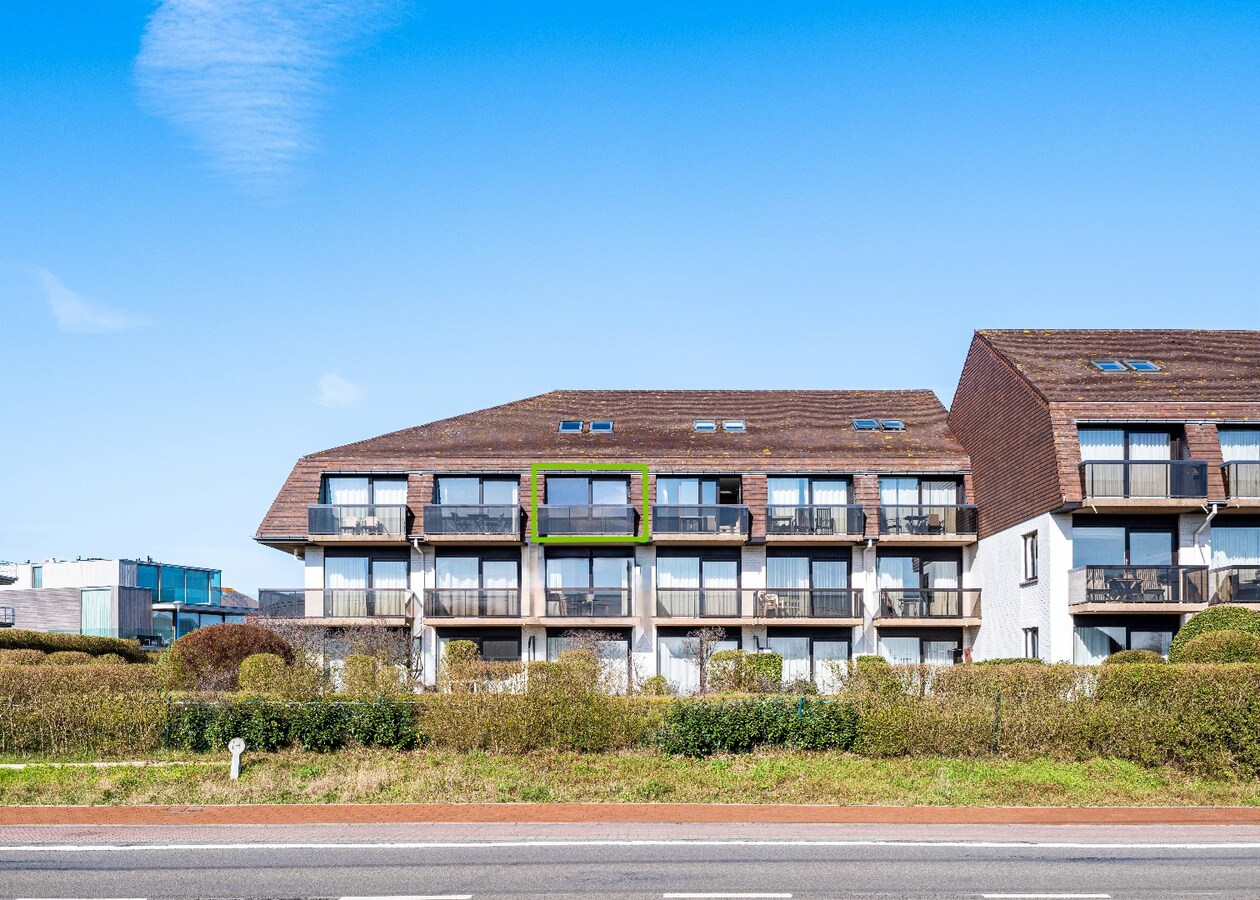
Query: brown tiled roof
[
  {"x": 786, "y": 430},
  {"x": 1207, "y": 366}
]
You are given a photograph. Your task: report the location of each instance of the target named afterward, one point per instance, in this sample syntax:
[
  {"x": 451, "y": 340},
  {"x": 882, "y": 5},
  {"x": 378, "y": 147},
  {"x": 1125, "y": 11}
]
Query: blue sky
[{"x": 232, "y": 233}]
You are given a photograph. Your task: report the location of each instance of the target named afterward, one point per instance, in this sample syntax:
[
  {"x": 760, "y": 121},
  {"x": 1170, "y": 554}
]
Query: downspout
[{"x": 1211, "y": 514}]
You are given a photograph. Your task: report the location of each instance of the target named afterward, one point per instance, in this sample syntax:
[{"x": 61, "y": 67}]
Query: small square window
[
  {"x": 893, "y": 425},
  {"x": 705, "y": 424},
  {"x": 571, "y": 426},
  {"x": 601, "y": 426},
  {"x": 1108, "y": 365},
  {"x": 734, "y": 425},
  {"x": 1142, "y": 365},
  {"x": 866, "y": 424}
]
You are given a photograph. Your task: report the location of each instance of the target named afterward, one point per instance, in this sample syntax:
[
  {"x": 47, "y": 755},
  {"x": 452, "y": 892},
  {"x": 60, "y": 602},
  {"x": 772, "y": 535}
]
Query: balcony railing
[
  {"x": 6, "y": 617},
  {"x": 1145, "y": 479},
  {"x": 343, "y": 520},
  {"x": 816, "y": 520},
  {"x": 1138, "y": 584},
  {"x": 933, "y": 519},
  {"x": 1242, "y": 479},
  {"x": 591, "y": 602},
  {"x": 586, "y": 520},
  {"x": 929, "y": 603},
  {"x": 696, "y": 603},
  {"x": 340, "y": 603},
  {"x": 8, "y": 572},
  {"x": 443, "y": 519},
  {"x": 472, "y": 602},
  {"x": 807, "y": 603},
  {"x": 714, "y": 518},
  {"x": 1235, "y": 584}
]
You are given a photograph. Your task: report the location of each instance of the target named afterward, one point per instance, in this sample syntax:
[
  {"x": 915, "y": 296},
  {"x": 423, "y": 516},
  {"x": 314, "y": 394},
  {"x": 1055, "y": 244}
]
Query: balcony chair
[
  {"x": 349, "y": 524},
  {"x": 770, "y": 604},
  {"x": 371, "y": 525}
]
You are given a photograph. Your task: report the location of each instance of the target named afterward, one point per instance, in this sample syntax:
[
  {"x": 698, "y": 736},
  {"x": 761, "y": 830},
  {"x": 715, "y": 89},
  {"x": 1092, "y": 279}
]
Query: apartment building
[
  {"x": 817, "y": 524},
  {"x": 150, "y": 601},
  {"x": 1118, "y": 479}
]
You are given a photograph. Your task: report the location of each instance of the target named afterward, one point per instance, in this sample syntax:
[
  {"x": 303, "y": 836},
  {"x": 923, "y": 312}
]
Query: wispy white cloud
[
  {"x": 337, "y": 393},
  {"x": 244, "y": 77},
  {"x": 76, "y": 314}
]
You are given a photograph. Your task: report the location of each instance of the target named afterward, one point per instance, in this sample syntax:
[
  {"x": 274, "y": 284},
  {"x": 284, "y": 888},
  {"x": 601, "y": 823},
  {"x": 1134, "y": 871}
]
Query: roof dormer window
[
  {"x": 734, "y": 425},
  {"x": 866, "y": 424}
]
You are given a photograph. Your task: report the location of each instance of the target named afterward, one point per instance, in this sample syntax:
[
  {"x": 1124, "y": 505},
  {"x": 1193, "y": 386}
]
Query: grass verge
[{"x": 379, "y": 776}]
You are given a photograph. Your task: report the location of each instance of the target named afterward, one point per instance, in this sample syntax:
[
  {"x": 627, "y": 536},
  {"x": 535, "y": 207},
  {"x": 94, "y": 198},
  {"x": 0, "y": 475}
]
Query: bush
[
  {"x": 1219, "y": 647},
  {"x": 108, "y": 659},
  {"x": 47, "y": 642},
  {"x": 67, "y": 658},
  {"x": 364, "y": 677},
  {"x": 1134, "y": 657},
  {"x": 262, "y": 673},
  {"x": 746, "y": 673},
  {"x": 32, "y": 684},
  {"x": 21, "y": 657},
  {"x": 1214, "y": 618},
  {"x": 1011, "y": 661},
  {"x": 657, "y": 686},
  {"x": 459, "y": 661},
  {"x": 209, "y": 659},
  {"x": 702, "y": 728},
  {"x": 322, "y": 726}
]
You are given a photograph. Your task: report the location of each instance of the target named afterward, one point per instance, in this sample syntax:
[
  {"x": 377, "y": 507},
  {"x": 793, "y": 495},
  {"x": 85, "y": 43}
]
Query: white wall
[{"x": 1008, "y": 605}]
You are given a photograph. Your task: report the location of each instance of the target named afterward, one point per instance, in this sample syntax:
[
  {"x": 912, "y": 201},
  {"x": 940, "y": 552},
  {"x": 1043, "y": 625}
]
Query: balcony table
[{"x": 916, "y": 524}]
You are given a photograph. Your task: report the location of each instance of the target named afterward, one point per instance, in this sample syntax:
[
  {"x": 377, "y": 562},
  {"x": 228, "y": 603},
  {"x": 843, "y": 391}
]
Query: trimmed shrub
[
  {"x": 1220, "y": 647},
  {"x": 1134, "y": 657},
  {"x": 262, "y": 673},
  {"x": 32, "y": 684},
  {"x": 1214, "y": 618},
  {"x": 459, "y": 661},
  {"x": 107, "y": 659},
  {"x": 702, "y": 728},
  {"x": 365, "y": 677},
  {"x": 47, "y": 642},
  {"x": 657, "y": 686},
  {"x": 67, "y": 658},
  {"x": 1011, "y": 661},
  {"x": 384, "y": 723},
  {"x": 209, "y": 659},
  {"x": 739, "y": 671},
  {"x": 21, "y": 657}
]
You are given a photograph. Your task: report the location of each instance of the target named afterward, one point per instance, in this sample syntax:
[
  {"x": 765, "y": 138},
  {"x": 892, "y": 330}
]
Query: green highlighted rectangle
[{"x": 645, "y": 513}]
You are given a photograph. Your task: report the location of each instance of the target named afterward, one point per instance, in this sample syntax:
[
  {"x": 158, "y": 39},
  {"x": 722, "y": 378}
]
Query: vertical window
[
  {"x": 94, "y": 618},
  {"x": 37, "y": 576},
  {"x": 1030, "y": 557},
  {"x": 1032, "y": 643}
]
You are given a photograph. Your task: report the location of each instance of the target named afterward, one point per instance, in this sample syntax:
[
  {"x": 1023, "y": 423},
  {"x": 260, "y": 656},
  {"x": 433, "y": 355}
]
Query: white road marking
[
  {"x": 713, "y": 896},
  {"x": 1046, "y": 896},
  {"x": 417, "y": 897},
  {"x": 645, "y": 842}
]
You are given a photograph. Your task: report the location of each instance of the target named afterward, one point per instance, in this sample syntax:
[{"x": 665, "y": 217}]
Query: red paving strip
[{"x": 383, "y": 813}]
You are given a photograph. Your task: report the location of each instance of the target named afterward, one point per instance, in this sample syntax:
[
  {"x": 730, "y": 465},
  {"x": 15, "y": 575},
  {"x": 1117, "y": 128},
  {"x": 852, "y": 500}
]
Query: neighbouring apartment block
[
  {"x": 1094, "y": 488},
  {"x": 142, "y": 599},
  {"x": 816, "y": 524}
]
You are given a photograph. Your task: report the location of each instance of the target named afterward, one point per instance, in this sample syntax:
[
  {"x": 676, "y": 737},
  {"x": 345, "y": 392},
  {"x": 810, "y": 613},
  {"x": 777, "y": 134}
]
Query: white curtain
[
  {"x": 787, "y": 572},
  {"x": 1102, "y": 443},
  {"x": 676, "y": 572},
  {"x": 1149, "y": 480},
  {"x": 1240, "y": 445},
  {"x": 721, "y": 587},
  {"x": 94, "y": 615},
  {"x": 456, "y": 572},
  {"x": 1150, "y": 445},
  {"x": 348, "y": 491},
  {"x": 678, "y": 491},
  {"x": 939, "y": 653},
  {"x": 389, "y": 492},
  {"x": 346, "y": 577},
  {"x": 831, "y": 493},
  {"x": 795, "y": 653},
  {"x": 896, "y": 572},
  {"x": 830, "y": 573},
  {"x": 1233, "y": 546},
  {"x": 389, "y": 578},
  {"x": 500, "y": 492},
  {"x": 788, "y": 491},
  {"x": 498, "y": 574},
  {"x": 899, "y": 650},
  {"x": 898, "y": 491},
  {"x": 568, "y": 573},
  {"x": 826, "y": 653},
  {"x": 1093, "y": 645}
]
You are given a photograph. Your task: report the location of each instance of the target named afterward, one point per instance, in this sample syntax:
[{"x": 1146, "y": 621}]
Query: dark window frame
[
  {"x": 326, "y": 498},
  {"x": 481, "y": 486},
  {"x": 1031, "y": 560}
]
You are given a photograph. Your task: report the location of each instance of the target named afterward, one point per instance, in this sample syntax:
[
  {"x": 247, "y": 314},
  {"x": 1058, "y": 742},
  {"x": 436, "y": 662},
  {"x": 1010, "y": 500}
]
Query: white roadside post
[{"x": 236, "y": 746}]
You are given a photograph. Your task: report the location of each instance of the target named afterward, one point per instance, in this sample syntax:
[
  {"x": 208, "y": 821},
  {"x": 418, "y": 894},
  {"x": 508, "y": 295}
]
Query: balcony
[
  {"x": 7, "y": 617},
  {"x": 357, "y": 522},
  {"x": 721, "y": 522},
  {"x": 587, "y": 521},
  {"x": 815, "y": 521},
  {"x": 1137, "y": 588},
  {"x": 698, "y": 603},
  {"x": 1235, "y": 584},
  {"x": 935, "y": 522},
  {"x": 928, "y": 605},
  {"x": 1165, "y": 479},
  {"x": 338, "y": 603},
  {"x": 806, "y": 603},
  {"x": 8, "y": 573},
  {"x": 1242, "y": 480},
  {"x": 453, "y": 523},
  {"x": 472, "y": 603},
  {"x": 590, "y": 603}
]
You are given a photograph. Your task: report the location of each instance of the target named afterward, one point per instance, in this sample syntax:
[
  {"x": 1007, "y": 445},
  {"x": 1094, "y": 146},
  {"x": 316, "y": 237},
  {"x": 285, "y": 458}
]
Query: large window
[
  {"x": 466, "y": 490},
  {"x": 807, "y": 584},
  {"x": 923, "y": 570},
  {"x": 923, "y": 506},
  {"x": 365, "y": 490},
  {"x": 570, "y": 490},
  {"x": 1240, "y": 444},
  {"x": 811, "y": 657},
  {"x": 365, "y": 585},
  {"x": 494, "y": 646},
  {"x": 477, "y": 585},
  {"x": 677, "y": 659},
  {"x": 1123, "y": 545},
  {"x": 936, "y": 650},
  {"x": 806, "y": 491},
  {"x": 1138, "y": 462},
  {"x": 95, "y": 618},
  {"x": 694, "y": 584},
  {"x": 588, "y": 582},
  {"x": 1095, "y": 642}
]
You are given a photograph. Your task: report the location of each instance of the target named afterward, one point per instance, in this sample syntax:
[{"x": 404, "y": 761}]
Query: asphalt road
[{"x": 483, "y": 861}]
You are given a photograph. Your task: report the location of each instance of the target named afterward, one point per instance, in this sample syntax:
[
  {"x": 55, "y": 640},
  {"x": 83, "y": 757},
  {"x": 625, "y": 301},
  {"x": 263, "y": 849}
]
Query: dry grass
[{"x": 362, "y": 776}]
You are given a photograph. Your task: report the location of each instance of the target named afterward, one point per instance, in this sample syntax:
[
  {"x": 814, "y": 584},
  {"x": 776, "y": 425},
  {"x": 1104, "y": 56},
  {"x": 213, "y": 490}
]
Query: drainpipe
[{"x": 1211, "y": 514}]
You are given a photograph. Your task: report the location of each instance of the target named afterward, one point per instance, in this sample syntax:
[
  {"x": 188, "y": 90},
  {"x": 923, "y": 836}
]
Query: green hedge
[
  {"x": 267, "y": 725},
  {"x": 1221, "y": 647},
  {"x": 1214, "y": 618},
  {"x": 702, "y": 728},
  {"x": 48, "y": 642}
]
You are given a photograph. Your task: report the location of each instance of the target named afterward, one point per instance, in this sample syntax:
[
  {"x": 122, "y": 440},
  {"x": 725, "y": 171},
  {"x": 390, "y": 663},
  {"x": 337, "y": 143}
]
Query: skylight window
[
  {"x": 1142, "y": 365},
  {"x": 866, "y": 424},
  {"x": 1108, "y": 365},
  {"x": 734, "y": 425},
  {"x": 893, "y": 425},
  {"x": 571, "y": 426},
  {"x": 601, "y": 426},
  {"x": 704, "y": 424}
]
